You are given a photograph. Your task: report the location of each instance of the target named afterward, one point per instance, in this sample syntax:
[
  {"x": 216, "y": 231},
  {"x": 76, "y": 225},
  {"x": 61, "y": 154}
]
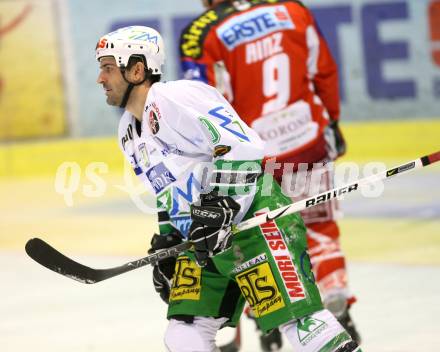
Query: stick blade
[{"x": 50, "y": 258}]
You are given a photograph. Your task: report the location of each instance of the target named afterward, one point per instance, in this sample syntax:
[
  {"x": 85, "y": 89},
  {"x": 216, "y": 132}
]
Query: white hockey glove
[
  {"x": 163, "y": 271},
  {"x": 211, "y": 228},
  {"x": 335, "y": 140}
]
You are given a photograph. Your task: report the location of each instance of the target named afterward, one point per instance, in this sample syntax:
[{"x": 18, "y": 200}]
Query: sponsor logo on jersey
[
  {"x": 175, "y": 200},
  {"x": 253, "y": 25},
  {"x": 186, "y": 281},
  {"x": 168, "y": 148},
  {"x": 215, "y": 135},
  {"x": 160, "y": 177},
  {"x": 229, "y": 123},
  {"x": 165, "y": 200},
  {"x": 191, "y": 40},
  {"x": 135, "y": 164},
  {"x": 280, "y": 252},
  {"x": 153, "y": 122},
  {"x": 308, "y": 328},
  {"x": 251, "y": 262},
  {"x": 221, "y": 150},
  {"x": 287, "y": 129},
  {"x": 171, "y": 149},
  {"x": 128, "y": 136},
  {"x": 182, "y": 223},
  {"x": 238, "y": 254},
  {"x": 260, "y": 289},
  {"x": 143, "y": 160}
]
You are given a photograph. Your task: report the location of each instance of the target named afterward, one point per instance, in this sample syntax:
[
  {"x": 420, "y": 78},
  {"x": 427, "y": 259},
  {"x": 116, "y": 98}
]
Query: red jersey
[{"x": 272, "y": 63}]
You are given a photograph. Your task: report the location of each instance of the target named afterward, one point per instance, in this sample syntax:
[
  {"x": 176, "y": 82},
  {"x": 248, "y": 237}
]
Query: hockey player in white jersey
[{"x": 189, "y": 146}]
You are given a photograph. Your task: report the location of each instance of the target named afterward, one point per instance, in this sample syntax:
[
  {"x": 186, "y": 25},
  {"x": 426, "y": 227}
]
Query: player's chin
[{"x": 112, "y": 101}]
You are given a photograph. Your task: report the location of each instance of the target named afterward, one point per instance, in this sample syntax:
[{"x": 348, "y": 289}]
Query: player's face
[{"x": 112, "y": 81}]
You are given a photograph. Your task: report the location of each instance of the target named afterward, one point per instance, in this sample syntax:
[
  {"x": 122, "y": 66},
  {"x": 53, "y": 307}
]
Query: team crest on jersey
[
  {"x": 153, "y": 121},
  {"x": 221, "y": 150}
]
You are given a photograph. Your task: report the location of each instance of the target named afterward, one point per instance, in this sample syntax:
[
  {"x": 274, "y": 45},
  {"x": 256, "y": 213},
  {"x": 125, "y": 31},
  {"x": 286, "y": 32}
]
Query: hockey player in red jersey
[{"x": 270, "y": 60}]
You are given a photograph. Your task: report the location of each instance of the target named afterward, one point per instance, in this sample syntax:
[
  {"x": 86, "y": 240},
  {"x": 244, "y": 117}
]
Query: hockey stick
[
  {"x": 46, "y": 255},
  {"x": 49, "y": 257},
  {"x": 336, "y": 192}
]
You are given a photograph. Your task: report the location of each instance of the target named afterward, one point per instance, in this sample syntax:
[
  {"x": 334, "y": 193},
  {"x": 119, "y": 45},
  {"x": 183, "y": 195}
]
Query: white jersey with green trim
[{"x": 191, "y": 141}]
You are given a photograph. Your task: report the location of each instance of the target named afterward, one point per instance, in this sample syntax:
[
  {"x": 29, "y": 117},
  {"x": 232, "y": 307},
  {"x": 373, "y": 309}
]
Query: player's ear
[
  {"x": 136, "y": 72},
  {"x": 139, "y": 71}
]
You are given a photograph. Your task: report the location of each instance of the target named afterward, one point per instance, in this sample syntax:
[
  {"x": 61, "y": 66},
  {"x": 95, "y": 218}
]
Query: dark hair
[{"x": 149, "y": 76}]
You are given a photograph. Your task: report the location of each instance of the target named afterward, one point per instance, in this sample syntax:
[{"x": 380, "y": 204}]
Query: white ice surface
[{"x": 398, "y": 309}]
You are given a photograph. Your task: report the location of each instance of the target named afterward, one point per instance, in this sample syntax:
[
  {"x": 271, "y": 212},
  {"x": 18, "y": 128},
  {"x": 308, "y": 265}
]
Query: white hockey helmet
[{"x": 133, "y": 40}]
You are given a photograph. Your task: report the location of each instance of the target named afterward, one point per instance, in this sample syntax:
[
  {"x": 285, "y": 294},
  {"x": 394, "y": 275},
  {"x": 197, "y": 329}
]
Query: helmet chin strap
[
  {"x": 130, "y": 87},
  {"x": 126, "y": 94}
]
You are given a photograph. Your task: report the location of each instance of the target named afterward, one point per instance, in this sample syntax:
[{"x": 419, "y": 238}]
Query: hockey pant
[{"x": 328, "y": 262}]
